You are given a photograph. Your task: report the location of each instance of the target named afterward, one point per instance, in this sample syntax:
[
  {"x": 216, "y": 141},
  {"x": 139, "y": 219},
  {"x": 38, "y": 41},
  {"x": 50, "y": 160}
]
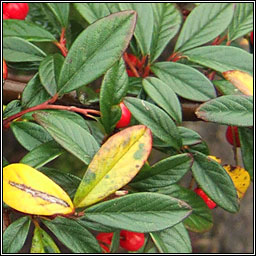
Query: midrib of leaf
[
  {"x": 93, "y": 54},
  {"x": 198, "y": 31}
]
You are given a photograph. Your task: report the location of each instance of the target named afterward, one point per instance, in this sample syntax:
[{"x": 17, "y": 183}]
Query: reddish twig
[{"x": 62, "y": 43}]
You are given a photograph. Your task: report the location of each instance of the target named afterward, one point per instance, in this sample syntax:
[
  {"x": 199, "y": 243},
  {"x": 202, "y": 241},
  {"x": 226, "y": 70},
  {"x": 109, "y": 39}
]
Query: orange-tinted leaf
[
  {"x": 240, "y": 178},
  {"x": 241, "y": 80},
  {"x": 114, "y": 165},
  {"x": 28, "y": 190}
]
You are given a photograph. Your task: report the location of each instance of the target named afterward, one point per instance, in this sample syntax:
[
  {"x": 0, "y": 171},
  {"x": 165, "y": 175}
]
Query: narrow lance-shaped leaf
[
  {"x": 186, "y": 81},
  {"x": 114, "y": 165},
  {"x": 201, "y": 218},
  {"x": 28, "y": 190},
  {"x": 167, "y": 20},
  {"x": 61, "y": 12},
  {"x": 215, "y": 182},
  {"x": 114, "y": 87},
  {"x": 19, "y": 50},
  {"x": 42, "y": 242},
  {"x": 222, "y": 58},
  {"x": 92, "y": 11},
  {"x": 247, "y": 142},
  {"x": 96, "y": 49},
  {"x": 242, "y": 22},
  {"x": 144, "y": 25},
  {"x": 69, "y": 134},
  {"x": 164, "y": 96},
  {"x": 140, "y": 212},
  {"x": 75, "y": 236},
  {"x": 229, "y": 109},
  {"x": 204, "y": 23},
  {"x": 15, "y": 235},
  {"x": 161, "y": 125},
  {"x": 26, "y": 30},
  {"x": 172, "y": 240},
  {"x": 49, "y": 70}
]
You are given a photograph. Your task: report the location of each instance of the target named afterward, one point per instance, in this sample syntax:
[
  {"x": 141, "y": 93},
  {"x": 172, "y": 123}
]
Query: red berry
[
  {"x": 131, "y": 241},
  {"x": 5, "y": 17},
  {"x": 16, "y": 10},
  {"x": 5, "y": 70},
  {"x": 207, "y": 200},
  {"x": 105, "y": 249},
  {"x": 125, "y": 118},
  {"x": 130, "y": 73},
  {"x": 229, "y": 135},
  {"x": 135, "y": 62},
  {"x": 251, "y": 37}
]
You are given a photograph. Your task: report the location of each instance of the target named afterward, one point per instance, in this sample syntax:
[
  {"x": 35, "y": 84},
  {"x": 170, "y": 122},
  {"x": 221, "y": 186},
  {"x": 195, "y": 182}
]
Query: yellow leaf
[
  {"x": 241, "y": 80},
  {"x": 240, "y": 178},
  {"x": 114, "y": 165},
  {"x": 218, "y": 160},
  {"x": 30, "y": 191}
]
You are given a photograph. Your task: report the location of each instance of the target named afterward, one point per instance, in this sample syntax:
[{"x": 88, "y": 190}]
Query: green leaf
[
  {"x": 167, "y": 20},
  {"x": 140, "y": 212},
  {"x": 67, "y": 181},
  {"x": 92, "y": 11},
  {"x": 242, "y": 22},
  {"x": 144, "y": 24},
  {"x": 15, "y": 235},
  {"x": 115, "y": 242},
  {"x": 49, "y": 71},
  {"x": 42, "y": 242},
  {"x": 12, "y": 108},
  {"x": 201, "y": 218},
  {"x": 61, "y": 12},
  {"x": 230, "y": 109},
  {"x": 185, "y": 80},
  {"x": 96, "y": 49},
  {"x": 246, "y": 141},
  {"x": 226, "y": 88},
  {"x": 114, "y": 87},
  {"x": 42, "y": 154},
  {"x": 204, "y": 23},
  {"x": 94, "y": 225},
  {"x": 215, "y": 182},
  {"x": 74, "y": 236},
  {"x": 161, "y": 125},
  {"x": 165, "y": 172},
  {"x": 70, "y": 135},
  {"x": 201, "y": 147},
  {"x": 34, "y": 93},
  {"x": 29, "y": 135},
  {"x": 16, "y": 49},
  {"x": 222, "y": 58},
  {"x": 189, "y": 137},
  {"x": 26, "y": 30},
  {"x": 172, "y": 240},
  {"x": 163, "y": 96},
  {"x": 114, "y": 165}
]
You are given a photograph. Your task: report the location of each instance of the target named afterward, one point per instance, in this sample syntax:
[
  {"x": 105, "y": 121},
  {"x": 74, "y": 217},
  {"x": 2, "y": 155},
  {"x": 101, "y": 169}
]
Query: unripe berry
[
  {"x": 207, "y": 200},
  {"x": 229, "y": 135},
  {"x": 131, "y": 241},
  {"x": 125, "y": 117},
  {"x": 16, "y": 10}
]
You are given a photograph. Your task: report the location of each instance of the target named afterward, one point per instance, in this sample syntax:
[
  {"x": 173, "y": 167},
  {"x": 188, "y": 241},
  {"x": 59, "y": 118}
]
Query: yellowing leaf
[
  {"x": 241, "y": 80},
  {"x": 218, "y": 160},
  {"x": 28, "y": 190},
  {"x": 114, "y": 165},
  {"x": 240, "y": 178}
]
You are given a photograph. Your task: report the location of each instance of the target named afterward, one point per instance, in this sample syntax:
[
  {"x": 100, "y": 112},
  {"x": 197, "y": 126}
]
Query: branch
[{"x": 12, "y": 90}]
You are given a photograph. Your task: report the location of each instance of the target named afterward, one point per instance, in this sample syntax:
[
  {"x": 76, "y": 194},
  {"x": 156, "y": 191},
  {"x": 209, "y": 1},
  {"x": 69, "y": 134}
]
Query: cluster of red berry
[
  {"x": 15, "y": 11},
  {"x": 130, "y": 241}
]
